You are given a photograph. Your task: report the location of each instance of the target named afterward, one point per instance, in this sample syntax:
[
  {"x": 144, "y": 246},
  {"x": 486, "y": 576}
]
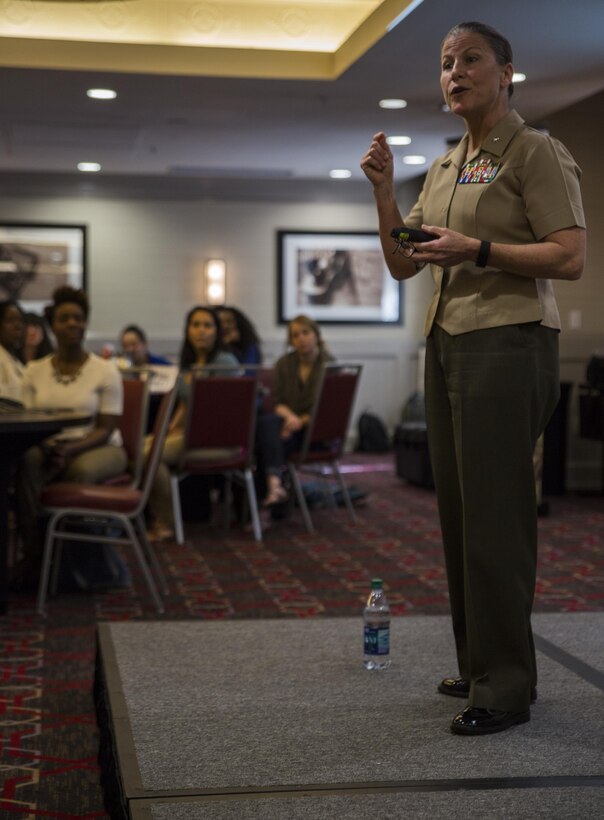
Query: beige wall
[{"x": 580, "y": 128}]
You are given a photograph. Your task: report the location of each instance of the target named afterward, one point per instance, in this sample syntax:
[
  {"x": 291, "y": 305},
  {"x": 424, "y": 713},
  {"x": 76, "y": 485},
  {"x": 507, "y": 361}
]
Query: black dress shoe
[
  {"x": 460, "y": 688},
  {"x": 457, "y": 687},
  {"x": 474, "y": 721}
]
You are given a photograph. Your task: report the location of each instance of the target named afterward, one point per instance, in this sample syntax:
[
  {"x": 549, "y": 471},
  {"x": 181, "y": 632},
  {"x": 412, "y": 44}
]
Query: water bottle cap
[{"x": 376, "y": 583}]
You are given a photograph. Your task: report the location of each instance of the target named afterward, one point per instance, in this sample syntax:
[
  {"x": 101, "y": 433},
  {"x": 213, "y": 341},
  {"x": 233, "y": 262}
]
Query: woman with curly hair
[
  {"x": 239, "y": 335},
  {"x": 11, "y": 337}
]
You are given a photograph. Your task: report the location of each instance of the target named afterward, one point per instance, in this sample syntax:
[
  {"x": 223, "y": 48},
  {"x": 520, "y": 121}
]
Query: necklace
[{"x": 66, "y": 378}]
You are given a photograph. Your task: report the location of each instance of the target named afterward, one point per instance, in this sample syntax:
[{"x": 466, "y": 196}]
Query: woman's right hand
[
  {"x": 378, "y": 162},
  {"x": 55, "y": 453}
]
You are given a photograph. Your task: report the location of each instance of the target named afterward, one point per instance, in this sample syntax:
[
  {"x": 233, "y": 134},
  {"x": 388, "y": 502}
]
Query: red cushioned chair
[
  {"x": 326, "y": 432},
  {"x": 219, "y": 438},
  {"x": 101, "y": 505}
]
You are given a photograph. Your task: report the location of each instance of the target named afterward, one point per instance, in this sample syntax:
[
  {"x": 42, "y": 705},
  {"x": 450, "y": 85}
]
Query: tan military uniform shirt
[{"x": 519, "y": 187}]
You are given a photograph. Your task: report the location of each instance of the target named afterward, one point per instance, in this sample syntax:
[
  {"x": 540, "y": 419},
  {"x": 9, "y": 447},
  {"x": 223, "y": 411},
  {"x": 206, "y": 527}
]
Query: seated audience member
[
  {"x": 135, "y": 347},
  {"x": 71, "y": 377},
  {"x": 296, "y": 379},
  {"x": 36, "y": 342},
  {"x": 11, "y": 338},
  {"x": 239, "y": 335},
  {"x": 202, "y": 345}
]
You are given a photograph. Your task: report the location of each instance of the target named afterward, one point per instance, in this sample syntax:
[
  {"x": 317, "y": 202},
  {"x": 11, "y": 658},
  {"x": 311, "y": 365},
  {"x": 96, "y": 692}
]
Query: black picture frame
[
  {"x": 38, "y": 257},
  {"x": 336, "y": 277}
]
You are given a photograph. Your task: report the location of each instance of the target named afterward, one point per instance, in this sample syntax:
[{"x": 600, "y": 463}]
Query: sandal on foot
[
  {"x": 276, "y": 496},
  {"x": 160, "y": 532}
]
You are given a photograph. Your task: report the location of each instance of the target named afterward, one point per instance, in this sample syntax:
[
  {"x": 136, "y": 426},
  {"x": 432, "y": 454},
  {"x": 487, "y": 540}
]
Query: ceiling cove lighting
[
  {"x": 101, "y": 93},
  {"x": 404, "y": 13},
  {"x": 393, "y": 103},
  {"x": 400, "y": 140},
  {"x": 89, "y": 167},
  {"x": 414, "y": 159},
  {"x": 340, "y": 173}
]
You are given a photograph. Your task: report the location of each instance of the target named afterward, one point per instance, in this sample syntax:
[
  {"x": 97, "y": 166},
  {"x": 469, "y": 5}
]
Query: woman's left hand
[
  {"x": 451, "y": 248},
  {"x": 559, "y": 255}
]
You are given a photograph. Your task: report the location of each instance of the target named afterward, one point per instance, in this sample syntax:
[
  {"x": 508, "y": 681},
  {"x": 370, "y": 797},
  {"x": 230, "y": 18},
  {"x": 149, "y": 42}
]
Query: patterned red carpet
[{"x": 49, "y": 738}]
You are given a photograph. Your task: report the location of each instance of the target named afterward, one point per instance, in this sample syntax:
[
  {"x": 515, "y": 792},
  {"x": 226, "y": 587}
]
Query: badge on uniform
[{"x": 479, "y": 170}]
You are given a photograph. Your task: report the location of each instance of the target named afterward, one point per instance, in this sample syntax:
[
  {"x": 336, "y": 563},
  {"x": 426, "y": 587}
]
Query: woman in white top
[
  {"x": 11, "y": 338},
  {"x": 71, "y": 378}
]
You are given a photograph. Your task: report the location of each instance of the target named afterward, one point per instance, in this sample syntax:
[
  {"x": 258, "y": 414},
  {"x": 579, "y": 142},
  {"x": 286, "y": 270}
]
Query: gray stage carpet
[
  {"x": 536, "y": 804},
  {"x": 278, "y": 718}
]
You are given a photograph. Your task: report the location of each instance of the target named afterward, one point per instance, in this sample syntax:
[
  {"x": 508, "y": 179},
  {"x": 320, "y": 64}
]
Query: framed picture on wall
[
  {"x": 336, "y": 277},
  {"x": 37, "y": 258}
]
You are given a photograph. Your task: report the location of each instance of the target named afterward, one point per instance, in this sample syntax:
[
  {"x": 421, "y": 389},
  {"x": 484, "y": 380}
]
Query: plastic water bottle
[{"x": 376, "y": 616}]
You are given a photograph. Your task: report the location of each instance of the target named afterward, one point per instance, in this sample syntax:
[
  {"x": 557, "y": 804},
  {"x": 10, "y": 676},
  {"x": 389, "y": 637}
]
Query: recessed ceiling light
[
  {"x": 393, "y": 103},
  {"x": 89, "y": 167},
  {"x": 101, "y": 93},
  {"x": 340, "y": 173},
  {"x": 414, "y": 159},
  {"x": 398, "y": 140},
  {"x": 518, "y": 77}
]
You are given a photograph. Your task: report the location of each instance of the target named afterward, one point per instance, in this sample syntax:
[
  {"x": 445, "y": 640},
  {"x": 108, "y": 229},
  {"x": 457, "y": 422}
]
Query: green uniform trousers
[{"x": 489, "y": 395}]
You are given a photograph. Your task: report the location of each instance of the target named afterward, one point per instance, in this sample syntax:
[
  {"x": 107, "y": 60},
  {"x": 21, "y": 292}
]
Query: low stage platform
[{"x": 279, "y": 719}]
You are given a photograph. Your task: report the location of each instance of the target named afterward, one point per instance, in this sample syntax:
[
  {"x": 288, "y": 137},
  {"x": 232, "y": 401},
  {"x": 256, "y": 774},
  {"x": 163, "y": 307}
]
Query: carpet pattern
[{"x": 49, "y": 736}]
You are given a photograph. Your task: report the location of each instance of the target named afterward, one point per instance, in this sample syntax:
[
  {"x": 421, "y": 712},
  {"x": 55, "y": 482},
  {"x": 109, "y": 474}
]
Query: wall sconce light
[{"x": 215, "y": 282}]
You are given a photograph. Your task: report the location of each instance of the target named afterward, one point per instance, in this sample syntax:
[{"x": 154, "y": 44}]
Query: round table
[{"x": 19, "y": 431}]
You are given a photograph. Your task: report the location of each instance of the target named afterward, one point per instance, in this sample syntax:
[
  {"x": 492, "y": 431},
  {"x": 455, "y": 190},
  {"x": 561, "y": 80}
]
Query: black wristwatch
[{"x": 483, "y": 254}]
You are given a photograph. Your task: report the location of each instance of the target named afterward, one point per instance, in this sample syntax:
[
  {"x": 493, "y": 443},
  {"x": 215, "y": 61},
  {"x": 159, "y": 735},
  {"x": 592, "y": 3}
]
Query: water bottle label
[{"x": 377, "y": 640}]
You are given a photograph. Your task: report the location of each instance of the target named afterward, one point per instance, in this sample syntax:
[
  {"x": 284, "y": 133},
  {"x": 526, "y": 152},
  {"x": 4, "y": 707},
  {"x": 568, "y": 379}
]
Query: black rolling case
[{"x": 411, "y": 453}]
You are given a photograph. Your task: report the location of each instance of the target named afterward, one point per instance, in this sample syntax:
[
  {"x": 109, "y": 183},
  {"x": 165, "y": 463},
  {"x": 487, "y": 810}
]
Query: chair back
[
  {"x": 160, "y": 431},
  {"x": 331, "y": 412},
  {"x": 221, "y": 414},
  {"x": 133, "y": 423},
  {"x": 266, "y": 377}
]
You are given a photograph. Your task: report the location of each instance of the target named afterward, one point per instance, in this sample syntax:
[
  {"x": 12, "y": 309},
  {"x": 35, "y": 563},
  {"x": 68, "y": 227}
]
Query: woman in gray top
[{"x": 202, "y": 345}]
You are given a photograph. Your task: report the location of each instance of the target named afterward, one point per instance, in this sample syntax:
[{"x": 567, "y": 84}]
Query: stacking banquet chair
[
  {"x": 219, "y": 437},
  {"x": 323, "y": 443},
  {"x": 98, "y": 506},
  {"x": 132, "y": 426}
]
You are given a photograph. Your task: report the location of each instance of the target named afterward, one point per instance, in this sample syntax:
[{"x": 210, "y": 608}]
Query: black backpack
[
  {"x": 594, "y": 375},
  {"x": 373, "y": 436}
]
